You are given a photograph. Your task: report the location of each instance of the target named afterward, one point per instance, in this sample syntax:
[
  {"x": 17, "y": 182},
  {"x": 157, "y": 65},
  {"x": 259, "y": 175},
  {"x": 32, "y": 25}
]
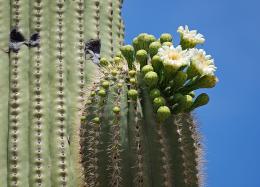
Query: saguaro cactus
[
  {"x": 137, "y": 129},
  {"x": 66, "y": 121},
  {"x": 43, "y": 87}
]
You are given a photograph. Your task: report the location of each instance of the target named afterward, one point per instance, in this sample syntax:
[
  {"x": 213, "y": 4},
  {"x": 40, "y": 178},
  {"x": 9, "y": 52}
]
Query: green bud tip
[
  {"x": 105, "y": 84},
  {"x": 154, "y": 47},
  {"x": 132, "y": 73},
  {"x": 169, "y": 44},
  {"x": 92, "y": 94},
  {"x": 118, "y": 60},
  {"x": 102, "y": 93},
  {"x": 114, "y": 72},
  {"x": 96, "y": 120},
  {"x": 201, "y": 100},
  {"x": 151, "y": 79},
  {"x": 146, "y": 69},
  {"x": 103, "y": 62},
  {"x": 157, "y": 63},
  {"x": 132, "y": 93},
  {"x": 133, "y": 81},
  {"x": 166, "y": 37},
  {"x": 141, "y": 57},
  {"x": 119, "y": 85},
  {"x": 163, "y": 113},
  {"x": 155, "y": 93},
  {"x": 158, "y": 101},
  {"x": 116, "y": 110}
]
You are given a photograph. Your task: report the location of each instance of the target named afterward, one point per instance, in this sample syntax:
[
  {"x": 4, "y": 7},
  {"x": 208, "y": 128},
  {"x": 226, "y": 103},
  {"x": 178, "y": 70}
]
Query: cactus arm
[
  {"x": 39, "y": 97},
  {"x": 189, "y": 140},
  {"x": 18, "y": 146},
  {"x": 127, "y": 175},
  {"x": 150, "y": 130},
  {"x": 4, "y": 88},
  {"x": 105, "y": 27}
]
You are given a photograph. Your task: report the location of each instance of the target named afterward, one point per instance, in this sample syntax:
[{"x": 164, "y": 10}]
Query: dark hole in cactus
[
  {"x": 92, "y": 47},
  {"x": 16, "y": 40},
  {"x": 34, "y": 40}
]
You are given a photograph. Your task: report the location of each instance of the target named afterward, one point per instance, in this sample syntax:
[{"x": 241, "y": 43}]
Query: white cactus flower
[
  {"x": 190, "y": 36},
  {"x": 202, "y": 62},
  {"x": 174, "y": 57}
]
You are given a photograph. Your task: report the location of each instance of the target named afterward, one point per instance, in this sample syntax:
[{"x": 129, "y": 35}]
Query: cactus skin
[{"x": 43, "y": 88}]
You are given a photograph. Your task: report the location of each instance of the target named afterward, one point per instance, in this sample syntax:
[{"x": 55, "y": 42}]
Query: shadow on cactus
[{"x": 137, "y": 128}]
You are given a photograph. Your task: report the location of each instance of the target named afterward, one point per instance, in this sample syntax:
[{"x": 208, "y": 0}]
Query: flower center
[{"x": 174, "y": 55}]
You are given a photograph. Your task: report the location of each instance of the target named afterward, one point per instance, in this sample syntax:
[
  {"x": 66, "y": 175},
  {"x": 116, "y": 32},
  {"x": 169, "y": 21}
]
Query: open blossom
[
  {"x": 202, "y": 62},
  {"x": 174, "y": 57},
  {"x": 190, "y": 36}
]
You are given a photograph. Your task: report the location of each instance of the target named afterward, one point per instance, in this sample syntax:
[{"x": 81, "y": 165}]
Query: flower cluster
[{"x": 172, "y": 73}]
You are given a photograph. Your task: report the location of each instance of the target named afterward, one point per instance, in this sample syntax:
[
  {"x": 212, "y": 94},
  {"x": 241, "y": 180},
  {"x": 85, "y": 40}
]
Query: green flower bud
[
  {"x": 157, "y": 63},
  {"x": 167, "y": 44},
  {"x": 82, "y": 118},
  {"x": 146, "y": 69},
  {"x": 151, "y": 79},
  {"x": 92, "y": 94},
  {"x": 166, "y": 37},
  {"x": 102, "y": 93},
  {"x": 103, "y": 62},
  {"x": 155, "y": 93},
  {"x": 135, "y": 44},
  {"x": 132, "y": 81},
  {"x": 141, "y": 57},
  {"x": 128, "y": 53},
  {"x": 118, "y": 60},
  {"x": 132, "y": 94},
  {"x": 176, "y": 98},
  {"x": 207, "y": 81},
  {"x": 116, "y": 110},
  {"x": 105, "y": 84},
  {"x": 144, "y": 40},
  {"x": 119, "y": 54},
  {"x": 183, "y": 104},
  {"x": 158, "y": 101},
  {"x": 114, "y": 72},
  {"x": 96, "y": 120},
  {"x": 201, "y": 100},
  {"x": 119, "y": 85},
  {"x": 132, "y": 73},
  {"x": 163, "y": 113},
  {"x": 178, "y": 80},
  {"x": 154, "y": 47}
]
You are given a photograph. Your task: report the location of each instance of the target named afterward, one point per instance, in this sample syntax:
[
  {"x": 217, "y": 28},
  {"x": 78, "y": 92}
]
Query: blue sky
[{"x": 230, "y": 123}]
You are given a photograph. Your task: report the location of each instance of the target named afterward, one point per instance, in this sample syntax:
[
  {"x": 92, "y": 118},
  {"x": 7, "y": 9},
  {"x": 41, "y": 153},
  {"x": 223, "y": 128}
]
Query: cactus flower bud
[
  {"x": 105, "y": 84},
  {"x": 132, "y": 94},
  {"x": 158, "y": 101},
  {"x": 157, "y": 63},
  {"x": 141, "y": 57},
  {"x": 169, "y": 44},
  {"x": 114, "y": 72},
  {"x": 163, "y": 113},
  {"x": 144, "y": 40},
  {"x": 116, "y": 110},
  {"x": 207, "y": 81},
  {"x": 96, "y": 120},
  {"x": 135, "y": 44},
  {"x": 132, "y": 81},
  {"x": 128, "y": 53},
  {"x": 146, "y": 69},
  {"x": 120, "y": 85},
  {"x": 102, "y": 93},
  {"x": 118, "y": 60},
  {"x": 154, "y": 47},
  {"x": 201, "y": 100},
  {"x": 155, "y": 93},
  {"x": 132, "y": 73},
  {"x": 103, "y": 62},
  {"x": 151, "y": 79},
  {"x": 166, "y": 37}
]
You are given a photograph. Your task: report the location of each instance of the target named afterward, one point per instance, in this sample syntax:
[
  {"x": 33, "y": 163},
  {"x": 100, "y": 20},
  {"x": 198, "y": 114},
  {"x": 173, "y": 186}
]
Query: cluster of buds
[{"x": 171, "y": 73}]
